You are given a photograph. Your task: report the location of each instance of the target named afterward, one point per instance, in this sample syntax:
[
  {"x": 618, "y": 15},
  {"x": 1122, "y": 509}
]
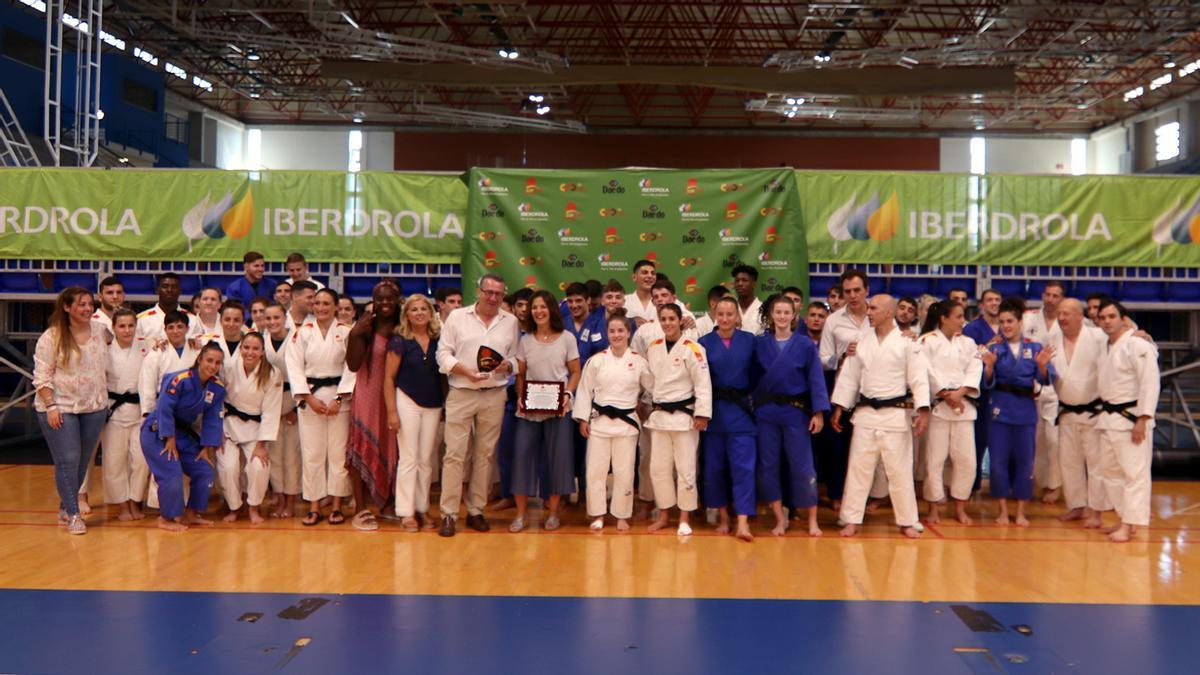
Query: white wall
[
  {"x": 956, "y": 155},
  {"x": 379, "y": 150},
  {"x": 231, "y": 145},
  {"x": 297, "y": 148},
  {"x": 1107, "y": 152},
  {"x": 1029, "y": 155}
]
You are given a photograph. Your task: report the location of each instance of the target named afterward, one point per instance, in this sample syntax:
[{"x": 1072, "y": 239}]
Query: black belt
[
  {"x": 968, "y": 399},
  {"x": 118, "y": 400},
  {"x": 734, "y": 395},
  {"x": 315, "y": 383},
  {"x": 615, "y": 413},
  {"x": 1121, "y": 409},
  {"x": 241, "y": 415},
  {"x": 1013, "y": 389},
  {"x": 181, "y": 426},
  {"x": 877, "y": 403},
  {"x": 684, "y": 406},
  {"x": 801, "y": 402},
  {"x": 1091, "y": 409}
]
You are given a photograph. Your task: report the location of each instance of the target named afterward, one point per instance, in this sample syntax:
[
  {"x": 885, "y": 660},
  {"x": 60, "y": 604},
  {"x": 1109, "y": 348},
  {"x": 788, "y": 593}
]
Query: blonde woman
[
  {"x": 413, "y": 392},
  {"x": 72, "y": 395},
  {"x": 253, "y": 400}
]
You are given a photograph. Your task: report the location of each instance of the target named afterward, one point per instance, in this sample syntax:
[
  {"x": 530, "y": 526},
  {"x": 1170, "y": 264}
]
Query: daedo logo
[
  {"x": 569, "y": 238},
  {"x": 492, "y": 210},
  {"x": 765, "y": 260},
  {"x": 688, "y": 211},
  {"x": 649, "y": 189},
  {"x": 486, "y": 187},
  {"x": 653, "y": 212},
  {"x": 527, "y": 212},
  {"x": 866, "y": 220},
  {"x": 214, "y": 220},
  {"x": 731, "y": 260},
  {"x": 532, "y": 236},
  {"x": 728, "y": 238},
  {"x": 692, "y": 236},
  {"x": 613, "y": 187},
  {"x": 572, "y": 261}
]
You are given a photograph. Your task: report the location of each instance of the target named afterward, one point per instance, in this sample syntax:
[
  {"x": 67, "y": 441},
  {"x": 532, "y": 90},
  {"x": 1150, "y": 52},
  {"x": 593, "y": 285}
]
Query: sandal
[
  {"x": 410, "y": 524},
  {"x": 313, "y": 518},
  {"x": 364, "y": 521},
  {"x": 336, "y": 518}
]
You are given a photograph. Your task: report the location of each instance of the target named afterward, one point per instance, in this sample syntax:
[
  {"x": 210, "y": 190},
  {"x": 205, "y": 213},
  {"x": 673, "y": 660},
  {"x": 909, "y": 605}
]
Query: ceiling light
[
  {"x": 1169, "y": 64},
  {"x": 542, "y": 109},
  {"x": 536, "y": 98},
  {"x": 252, "y": 56},
  {"x": 508, "y": 53},
  {"x": 791, "y": 100}
]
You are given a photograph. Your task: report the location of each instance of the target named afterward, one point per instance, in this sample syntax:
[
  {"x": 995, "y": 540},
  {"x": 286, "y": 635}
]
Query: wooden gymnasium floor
[{"x": 128, "y": 598}]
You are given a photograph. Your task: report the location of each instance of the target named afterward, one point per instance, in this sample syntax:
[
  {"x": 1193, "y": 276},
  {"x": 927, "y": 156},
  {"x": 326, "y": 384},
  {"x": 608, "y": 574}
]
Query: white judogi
[
  {"x": 126, "y": 475},
  {"x": 150, "y": 324},
  {"x": 104, "y": 320},
  {"x": 882, "y": 370},
  {"x": 285, "y": 449},
  {"x": 291, "y": 323},
  {"x": 1128, "y": 372},
  {"x": 751, "y": 319},
  {"x": 634, "y": 309},
  {"x": 640, "y": 343},
  {"x": 243, "y": 436},
  {"x": 678, "y": 375},
  {"x": 705, "y": 325},
  {"x": 649, "y": 332},
  {"x": 208, "y": 332},
  {"x": 617, "y": 382},
  {"x": 953, "y": 363},
  {"x": 841, "y": 328},
  {"x": 156, "y": 365},
  {"x": 1047, "y": 469},
  {"x": 1078, "y": 438},
  {"x": 322, "y": 438}
]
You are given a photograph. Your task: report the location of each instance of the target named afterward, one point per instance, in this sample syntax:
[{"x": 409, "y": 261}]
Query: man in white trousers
[
  {"x": 1129, "y": 387},
  {"x": 876, "y": 381}
]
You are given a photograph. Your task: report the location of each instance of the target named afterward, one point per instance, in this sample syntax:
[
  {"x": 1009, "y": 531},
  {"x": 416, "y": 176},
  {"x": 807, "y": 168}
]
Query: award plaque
[
  {"x": 488, "y": 359},
  {"x": 542, "y": 397}
]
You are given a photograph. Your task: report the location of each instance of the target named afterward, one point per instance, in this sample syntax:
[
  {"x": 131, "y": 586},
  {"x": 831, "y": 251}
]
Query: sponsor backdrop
[
  {"x": 1000, "y": 219},
  {"x": 403, "y": 217},
  {"x": 219, "y": 215},
  {"x": 549, "y": 228}
]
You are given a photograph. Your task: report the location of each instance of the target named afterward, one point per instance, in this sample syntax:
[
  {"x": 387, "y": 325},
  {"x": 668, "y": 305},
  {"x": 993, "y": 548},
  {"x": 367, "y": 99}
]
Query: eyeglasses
[{"x": 492, "y": 294}]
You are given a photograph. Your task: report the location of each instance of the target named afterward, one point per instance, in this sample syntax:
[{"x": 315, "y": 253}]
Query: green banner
[
  {"x": 219, "y": 215},
  {"x": 1001, "y": 219},
  {"x": 548, "y": 228}
]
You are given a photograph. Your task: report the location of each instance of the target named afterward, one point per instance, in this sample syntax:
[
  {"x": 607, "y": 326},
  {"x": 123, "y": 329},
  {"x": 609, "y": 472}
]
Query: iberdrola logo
[
  {"x": 1178, "y": 225},
  {"x": 216, "y": 220},
  {"x": 866, "y": 220}
]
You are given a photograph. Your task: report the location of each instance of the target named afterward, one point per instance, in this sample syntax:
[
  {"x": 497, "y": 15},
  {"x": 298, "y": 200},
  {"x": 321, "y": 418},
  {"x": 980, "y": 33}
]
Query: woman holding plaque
[
  {"x": 682, "y": 397},
  {"x": 607, "y": 413},
  {"x": 547, "y": 374}
]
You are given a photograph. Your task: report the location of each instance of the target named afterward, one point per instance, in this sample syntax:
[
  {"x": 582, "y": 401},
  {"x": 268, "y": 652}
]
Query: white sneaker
[
  {"x": 76, "y": 525},
  {"x": 684, "y": 530},
  {"x": 597, "y": 524}
]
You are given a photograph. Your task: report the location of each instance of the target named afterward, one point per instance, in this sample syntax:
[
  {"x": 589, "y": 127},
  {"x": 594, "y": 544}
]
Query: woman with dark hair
[
  {"x": 173, "y": 449},
  {"x": 682, "y": 407},
  {"x": 545, "y": 353},
  {"x": 347, "y": 311},
  {"x": 72, "y": 395},
  {"x": 371, "y": 450},
  {"x": 1015, "y": 371},
  {"x": 790, "y": 406},
  {"x": 954, "y": 375},
  {"x": 254, "y": 394},
  {"x": 606, "y": 410},
  {"x": 730, "y": 443}
]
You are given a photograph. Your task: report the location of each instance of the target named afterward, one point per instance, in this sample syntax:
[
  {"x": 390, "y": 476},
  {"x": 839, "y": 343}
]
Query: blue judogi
[
  {"x": 791, "y": 369},
  {"x": 729, "y": 442},
  {"x": 979, "y": 331},
  {"x": 1012, "y": 417},
  {"x": 243, "y": 291},
  {"x": 181, "y": 400}
]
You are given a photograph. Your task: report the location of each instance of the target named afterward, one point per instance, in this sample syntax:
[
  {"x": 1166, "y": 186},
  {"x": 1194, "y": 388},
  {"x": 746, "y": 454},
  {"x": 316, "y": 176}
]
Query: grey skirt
[{"x": 546, "y": 449}]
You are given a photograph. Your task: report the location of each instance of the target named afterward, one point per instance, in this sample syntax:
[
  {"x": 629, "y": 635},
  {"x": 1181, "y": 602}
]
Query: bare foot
[
  {"x": 910, "y": 532},
  {"x": 622, "y": 525},
  {"x": 170, "y": 525},
  {"x": 814, "y": 531},
  {"x": 1121, "y": 534},
  {"x": 664, "y": 519},
  {"x": 501, "y": 505},
  {"x": 1073, "y": 514},
  {"x": 255, "y": 517},
  {"x": 873, "y": 505},
  {"x": 1022, "y": 521},
  {"x": 135, "y": 512},
  {"x": 743, "y": 532},
  {"x": 1093, "y": 522},
  {"x": 1110, "y": 529},
  {"x": 1002, "y": 520},
  {"x": 230, "y": 517},
  {"x": 124, "y": 514},
  {"x": 935, "y": 514},
  {"x": 194, "y": 519},
  {"x": 722, "y": 528},
  {"x": 780, "y": 528},
  {"x": 849, "y": 530},
  {"x": 1051, "y": 496},
  {"x": 85, "y": 509},
  {"x": 961, "y": 514}
]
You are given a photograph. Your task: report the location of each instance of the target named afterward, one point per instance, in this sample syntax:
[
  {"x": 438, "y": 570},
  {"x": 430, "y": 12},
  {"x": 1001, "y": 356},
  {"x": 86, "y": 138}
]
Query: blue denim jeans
[{"x": 71, "y": 446}]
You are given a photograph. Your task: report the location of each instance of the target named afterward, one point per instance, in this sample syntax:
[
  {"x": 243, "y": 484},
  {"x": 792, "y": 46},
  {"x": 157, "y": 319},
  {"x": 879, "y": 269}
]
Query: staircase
[{"x": 15, "y": 149}]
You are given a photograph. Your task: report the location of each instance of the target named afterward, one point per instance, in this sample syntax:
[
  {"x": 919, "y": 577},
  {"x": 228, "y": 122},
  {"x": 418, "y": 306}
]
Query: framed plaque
[{"x": 542, "y": 397}]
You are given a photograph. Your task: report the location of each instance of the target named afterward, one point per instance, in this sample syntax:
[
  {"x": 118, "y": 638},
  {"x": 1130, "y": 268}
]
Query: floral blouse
[{"x": 80, "y": 386}]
